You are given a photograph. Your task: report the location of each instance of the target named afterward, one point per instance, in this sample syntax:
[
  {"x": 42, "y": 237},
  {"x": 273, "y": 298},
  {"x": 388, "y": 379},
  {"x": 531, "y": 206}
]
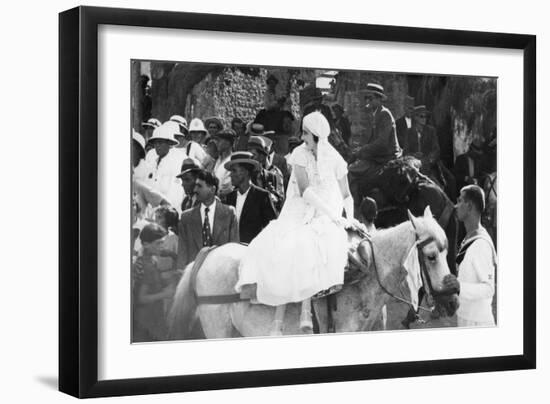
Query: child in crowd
[
  {"x": 150, "y": 291},
  {"x": 369, "y": 211}
]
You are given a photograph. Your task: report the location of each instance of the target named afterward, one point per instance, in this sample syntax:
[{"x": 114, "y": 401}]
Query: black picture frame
[{"x": 78, "y": 196}]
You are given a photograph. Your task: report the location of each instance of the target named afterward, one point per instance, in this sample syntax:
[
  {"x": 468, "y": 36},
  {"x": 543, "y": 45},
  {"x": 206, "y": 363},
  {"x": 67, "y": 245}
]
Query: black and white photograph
[{"x": 272, "y": 201}]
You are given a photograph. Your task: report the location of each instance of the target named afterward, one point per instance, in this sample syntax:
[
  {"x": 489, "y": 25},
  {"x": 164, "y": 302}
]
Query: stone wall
[{"x": 200, "y": 90}]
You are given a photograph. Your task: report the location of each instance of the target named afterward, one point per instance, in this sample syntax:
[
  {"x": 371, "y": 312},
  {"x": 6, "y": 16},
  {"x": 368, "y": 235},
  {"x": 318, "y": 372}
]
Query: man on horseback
[{"x": 382, "y": 145}]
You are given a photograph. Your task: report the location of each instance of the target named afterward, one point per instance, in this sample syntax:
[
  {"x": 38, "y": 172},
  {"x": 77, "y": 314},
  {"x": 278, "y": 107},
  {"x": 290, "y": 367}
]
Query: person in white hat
[
  {"x": 163, "y": 169},
  {"x": 149, "y": 127},
  {"x": 193, "y": 146},
  {"x": 144, "y": 197},
  {"x": 304, "y": 251}
]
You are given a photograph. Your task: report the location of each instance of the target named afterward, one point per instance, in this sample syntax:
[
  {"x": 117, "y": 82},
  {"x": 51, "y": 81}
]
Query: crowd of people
[{"x": 201, "y": 184}]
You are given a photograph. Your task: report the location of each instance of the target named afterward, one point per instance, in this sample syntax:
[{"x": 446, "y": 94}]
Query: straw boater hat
[
  {"x": 255, "y": 129},
  {"x": 151, "y": 123},
  {"x": 242, "y": 157},
  {"x": 189, "y": 165},
  {"x": 165, "y": 132},
  {"x": 180, "y": 120},
  {"x": 196, "y": 125},
  {"x": 258, "y": 143},
  {"x": 213, "y": 119},
  {"x": 376, "y": 89}
]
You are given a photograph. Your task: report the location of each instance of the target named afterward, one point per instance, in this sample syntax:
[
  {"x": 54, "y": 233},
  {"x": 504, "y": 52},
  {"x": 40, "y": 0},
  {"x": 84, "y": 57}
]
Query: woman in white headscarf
[{"x": 304, "y": 251}]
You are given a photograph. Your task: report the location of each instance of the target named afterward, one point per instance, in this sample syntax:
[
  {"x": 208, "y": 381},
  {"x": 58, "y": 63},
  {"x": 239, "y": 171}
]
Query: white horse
[{"x": 206, "y": 291}]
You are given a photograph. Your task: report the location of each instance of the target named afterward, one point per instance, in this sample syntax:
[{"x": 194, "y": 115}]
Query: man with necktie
[{"x": 207, "y": 224}]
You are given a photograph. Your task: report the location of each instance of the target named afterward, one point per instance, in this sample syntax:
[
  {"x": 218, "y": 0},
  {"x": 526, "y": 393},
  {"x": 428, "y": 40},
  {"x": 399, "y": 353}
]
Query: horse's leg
[
  {"x": 255, "y": 320},
  {"x": 215, "y": 320}
]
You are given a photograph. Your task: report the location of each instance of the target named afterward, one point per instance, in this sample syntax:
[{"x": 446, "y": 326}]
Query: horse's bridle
[{"x": 420, "y": 244}]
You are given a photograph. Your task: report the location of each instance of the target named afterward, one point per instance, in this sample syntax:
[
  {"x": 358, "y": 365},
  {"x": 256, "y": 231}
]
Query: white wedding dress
[{"x": 303, "y": 251}]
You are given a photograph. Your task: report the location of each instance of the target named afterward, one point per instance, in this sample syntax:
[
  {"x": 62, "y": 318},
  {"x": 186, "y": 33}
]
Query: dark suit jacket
[
  {"x": 401, "y": 129},
  {"x": 429, "y": 144},
  {"x": 382, "y": 145},
  {"x": 257, "y": 212},
  {"x": 225, "y": 230}
]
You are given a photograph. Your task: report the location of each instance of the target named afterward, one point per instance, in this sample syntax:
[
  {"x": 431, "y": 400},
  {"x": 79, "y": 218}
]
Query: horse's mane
[{"x": 428, "y": 227}]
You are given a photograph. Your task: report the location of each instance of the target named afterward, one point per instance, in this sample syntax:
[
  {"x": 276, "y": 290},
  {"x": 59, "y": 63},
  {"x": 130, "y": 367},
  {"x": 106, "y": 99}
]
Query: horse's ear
[
  {"x": 428, "y": 212},
  {"x": 412, "y": 219}
]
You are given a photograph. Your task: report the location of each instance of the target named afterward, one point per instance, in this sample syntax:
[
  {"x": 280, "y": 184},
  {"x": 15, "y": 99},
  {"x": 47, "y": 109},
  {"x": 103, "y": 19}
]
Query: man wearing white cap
[
  {"x": 193, "y": 148},
  {"x": 149, "y": 127},
  {"x": 164, "y": 169},
  {"x": 143, "y": 195},
  {"x": 381, "y": 147}
]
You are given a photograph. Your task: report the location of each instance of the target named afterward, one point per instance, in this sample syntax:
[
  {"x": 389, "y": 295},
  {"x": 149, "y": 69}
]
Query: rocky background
[{"x": 463, "y": 108}]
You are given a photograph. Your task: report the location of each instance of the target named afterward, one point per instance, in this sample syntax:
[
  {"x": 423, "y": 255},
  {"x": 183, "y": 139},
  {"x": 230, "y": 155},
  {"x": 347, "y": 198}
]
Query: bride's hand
[{"x": 343, "y": 222}]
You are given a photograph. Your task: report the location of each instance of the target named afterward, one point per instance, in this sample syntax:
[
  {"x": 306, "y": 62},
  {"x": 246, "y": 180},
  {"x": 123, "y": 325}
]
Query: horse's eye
[{"x": 432, "y": 258}]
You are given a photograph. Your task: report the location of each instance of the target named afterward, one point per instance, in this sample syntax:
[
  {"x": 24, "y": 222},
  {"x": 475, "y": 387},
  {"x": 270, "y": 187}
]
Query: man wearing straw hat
[
  {"x": 382, "y": 145},
  {"x": 252, "y": 203}
]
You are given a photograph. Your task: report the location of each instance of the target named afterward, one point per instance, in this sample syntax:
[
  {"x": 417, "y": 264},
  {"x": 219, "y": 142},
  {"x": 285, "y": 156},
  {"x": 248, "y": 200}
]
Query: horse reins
[{"x": 384, "y": 289}]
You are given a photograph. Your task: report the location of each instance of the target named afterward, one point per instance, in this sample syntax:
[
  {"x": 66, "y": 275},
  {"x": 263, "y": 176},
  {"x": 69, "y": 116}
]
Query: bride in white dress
[{"x": 304, "y": 251}]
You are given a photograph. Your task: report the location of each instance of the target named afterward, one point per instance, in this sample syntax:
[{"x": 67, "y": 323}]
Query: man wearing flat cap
[
  {"x": 252, "y": 204},
  {"x": 224, "y": 140},
  {"x": 381, "y": 147}
]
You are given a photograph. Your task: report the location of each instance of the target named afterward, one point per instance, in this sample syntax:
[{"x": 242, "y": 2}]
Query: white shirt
[
  {"x": 211, "y": 212},
  {"x": 162, "y": 176},
  {"x": 408, "y": 121},
  {"x": 223, "y": 175},
  {"x": 241, "y": 199},
  {"x": 476, "y": 275}
]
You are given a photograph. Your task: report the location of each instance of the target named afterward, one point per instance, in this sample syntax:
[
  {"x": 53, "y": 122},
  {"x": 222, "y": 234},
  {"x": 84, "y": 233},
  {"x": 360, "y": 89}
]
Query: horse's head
[{"x": 432, "y": 254}]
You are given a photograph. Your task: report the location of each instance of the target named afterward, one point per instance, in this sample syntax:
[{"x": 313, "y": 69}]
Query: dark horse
[{"x": 402, "y": 187}]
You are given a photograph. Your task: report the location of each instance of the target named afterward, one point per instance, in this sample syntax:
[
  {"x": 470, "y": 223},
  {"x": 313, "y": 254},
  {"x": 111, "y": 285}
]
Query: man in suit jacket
[
  {"x": 403, "y": 124},
  {"x": 210, "y": 223},
  {"x": 421, "y": 140},
  {"x": 188, "y": 176},
  {"x": 381, "y": 146},
  {"x": 252, "y": 203}
]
